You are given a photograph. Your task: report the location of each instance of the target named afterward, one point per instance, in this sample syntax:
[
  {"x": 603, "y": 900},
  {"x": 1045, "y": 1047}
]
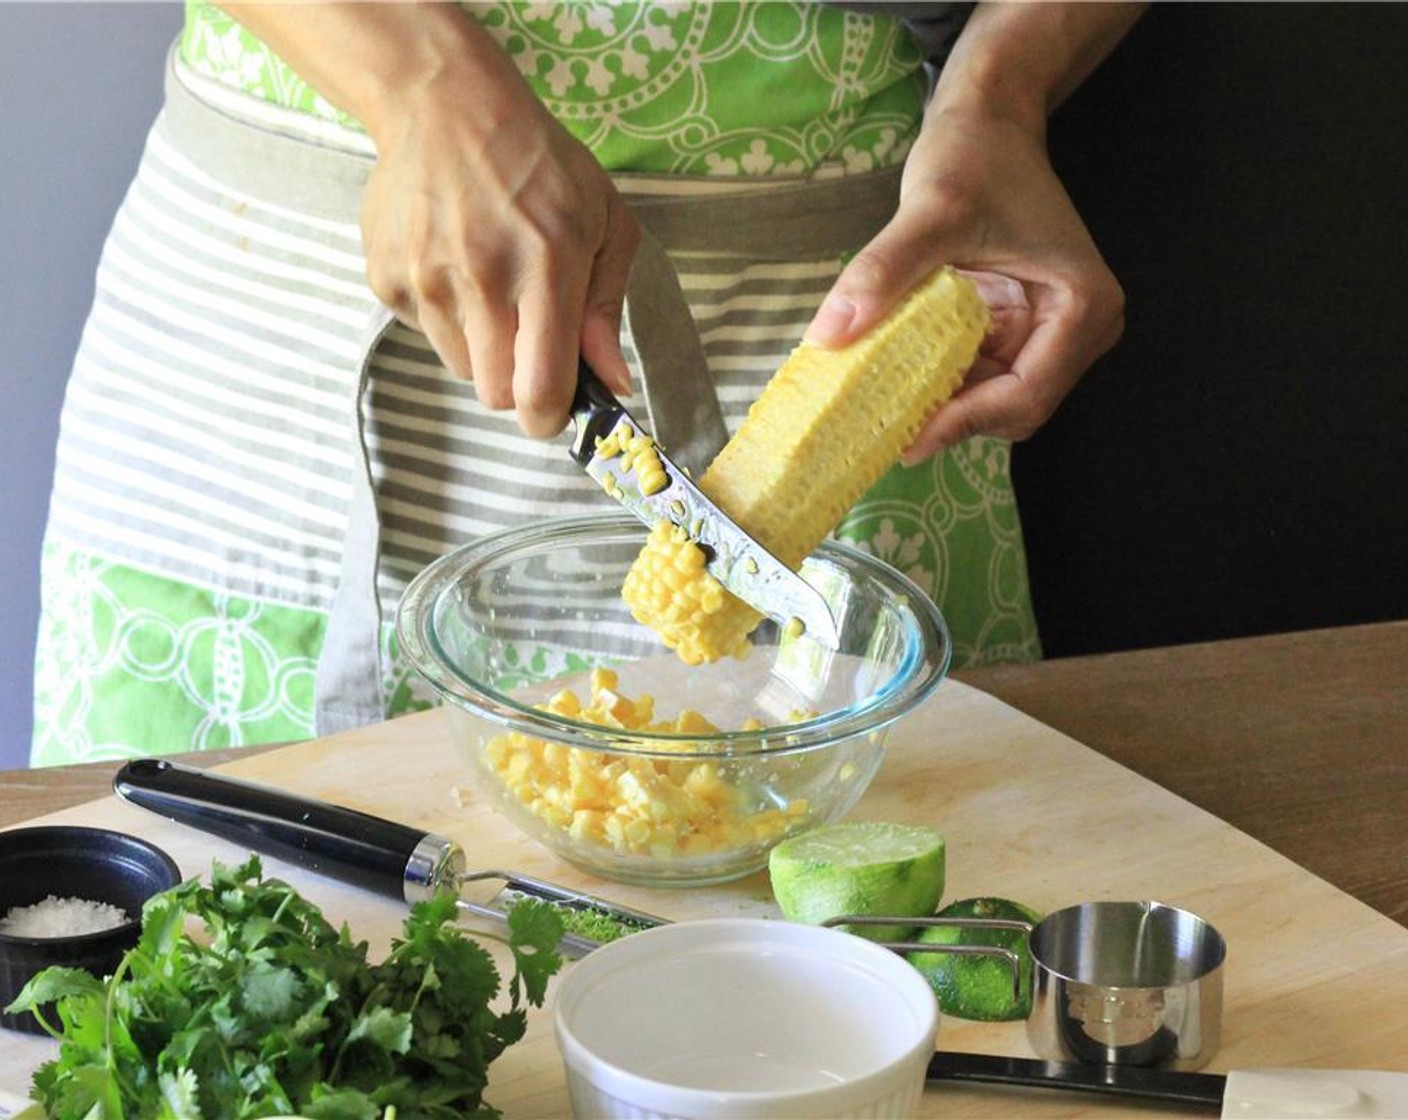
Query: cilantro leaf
[
  {"x": 387, "y": 1029},
  {"x": 534, "y": 929},
  {"x": 55, "y": 983},
  {"x": 178, "y": 1096}
]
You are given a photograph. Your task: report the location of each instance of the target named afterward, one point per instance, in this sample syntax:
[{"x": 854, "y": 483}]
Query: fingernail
[
  {"x": 833, "y": 319},
  {"x": 621, "y": 384},
  {"x": 912, "y": 457}
]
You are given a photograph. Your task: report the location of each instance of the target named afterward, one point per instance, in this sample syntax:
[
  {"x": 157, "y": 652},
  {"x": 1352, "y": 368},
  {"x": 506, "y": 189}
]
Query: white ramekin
[{"x": 744, "y": 1018}]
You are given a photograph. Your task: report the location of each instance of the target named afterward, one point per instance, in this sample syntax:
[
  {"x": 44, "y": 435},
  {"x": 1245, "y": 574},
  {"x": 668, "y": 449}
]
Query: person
[{"x": 340, "y": 286}]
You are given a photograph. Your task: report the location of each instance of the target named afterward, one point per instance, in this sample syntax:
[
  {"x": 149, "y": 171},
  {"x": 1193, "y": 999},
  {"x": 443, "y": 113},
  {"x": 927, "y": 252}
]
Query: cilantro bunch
[{"x": 265, "y": 1009}]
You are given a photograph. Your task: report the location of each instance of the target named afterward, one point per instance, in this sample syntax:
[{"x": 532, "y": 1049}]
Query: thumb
[{"x": 874, "y": 281}]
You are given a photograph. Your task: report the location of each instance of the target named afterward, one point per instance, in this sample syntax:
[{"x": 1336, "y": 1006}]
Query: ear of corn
[{"x": 826, "y": 427}]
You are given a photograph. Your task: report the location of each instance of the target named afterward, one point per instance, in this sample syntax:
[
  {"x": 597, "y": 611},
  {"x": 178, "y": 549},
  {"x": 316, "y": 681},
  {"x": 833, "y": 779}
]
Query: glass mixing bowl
[{"x": 623, "y": 779}]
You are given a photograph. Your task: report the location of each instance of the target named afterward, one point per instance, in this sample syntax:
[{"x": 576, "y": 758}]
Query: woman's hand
[
  {"x": 485, "y": 223},
  {"x": 979, "y": 193},
  {"x": 497, "y": 234}
]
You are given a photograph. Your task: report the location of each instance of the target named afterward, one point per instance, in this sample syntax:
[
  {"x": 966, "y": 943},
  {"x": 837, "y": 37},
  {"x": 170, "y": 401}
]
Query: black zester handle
[{"x": 344, "y": 844}]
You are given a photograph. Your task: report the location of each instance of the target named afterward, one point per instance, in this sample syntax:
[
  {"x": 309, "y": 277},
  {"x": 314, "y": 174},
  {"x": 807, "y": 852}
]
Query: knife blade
[{"x": 734, "y": 558}]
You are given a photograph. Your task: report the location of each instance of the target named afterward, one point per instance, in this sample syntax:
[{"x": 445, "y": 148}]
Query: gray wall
[{"x": 79, "y": 86}]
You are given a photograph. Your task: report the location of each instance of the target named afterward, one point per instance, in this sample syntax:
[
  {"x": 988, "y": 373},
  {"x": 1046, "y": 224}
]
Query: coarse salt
[{"x": 61, "y": 917}]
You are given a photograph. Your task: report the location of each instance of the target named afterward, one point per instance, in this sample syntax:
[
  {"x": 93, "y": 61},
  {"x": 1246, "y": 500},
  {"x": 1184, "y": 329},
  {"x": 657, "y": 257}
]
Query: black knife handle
[
  {"x": 1192, "y": 1090},
  {"x": 342, "y": 843},
  {"x": 595, "y": 411}
]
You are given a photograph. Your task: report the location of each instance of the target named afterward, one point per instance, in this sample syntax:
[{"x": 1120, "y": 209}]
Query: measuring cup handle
[{"x": 1014, "y": 962}]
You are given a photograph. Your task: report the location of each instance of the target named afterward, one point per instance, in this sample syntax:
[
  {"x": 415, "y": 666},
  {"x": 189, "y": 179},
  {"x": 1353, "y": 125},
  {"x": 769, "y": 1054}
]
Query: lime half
[
  {"x": 972, "y": 986},
  {"x": 859, "y": 867}
]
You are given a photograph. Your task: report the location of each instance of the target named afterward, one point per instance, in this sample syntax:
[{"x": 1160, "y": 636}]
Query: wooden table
[
  {"x": 1299, "y": 736},
  {"x": 1300, "y": 740}
]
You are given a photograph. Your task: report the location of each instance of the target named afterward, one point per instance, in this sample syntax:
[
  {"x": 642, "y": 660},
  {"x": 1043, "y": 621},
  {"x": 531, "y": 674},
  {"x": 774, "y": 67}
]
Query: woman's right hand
[
  {"x": 488, "y": 226},
  {"x": 485, "y": 223}
]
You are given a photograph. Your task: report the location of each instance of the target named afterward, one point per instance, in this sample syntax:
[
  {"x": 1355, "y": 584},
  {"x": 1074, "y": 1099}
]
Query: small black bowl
[{"x": 71, "y": 862}]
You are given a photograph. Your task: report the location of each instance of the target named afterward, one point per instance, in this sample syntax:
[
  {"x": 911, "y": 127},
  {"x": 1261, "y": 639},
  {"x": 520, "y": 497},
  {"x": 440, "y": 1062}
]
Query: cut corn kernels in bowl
[{"x": 657, "y": 806}]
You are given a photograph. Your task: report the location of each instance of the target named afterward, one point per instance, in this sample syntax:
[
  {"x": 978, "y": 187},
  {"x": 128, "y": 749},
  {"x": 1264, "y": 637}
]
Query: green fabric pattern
[
  {"x": 736, "y": 89},
  {"x": 129, "y": 658},
  {"x": 951, "y": 525},
  {"x": 131, "y": 663}
]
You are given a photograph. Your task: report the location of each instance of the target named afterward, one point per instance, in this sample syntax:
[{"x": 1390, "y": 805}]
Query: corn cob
[{"x": 828, "y": 424}]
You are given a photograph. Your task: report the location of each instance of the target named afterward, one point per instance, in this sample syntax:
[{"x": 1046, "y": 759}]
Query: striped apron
[{"x": 255, "y": 457}]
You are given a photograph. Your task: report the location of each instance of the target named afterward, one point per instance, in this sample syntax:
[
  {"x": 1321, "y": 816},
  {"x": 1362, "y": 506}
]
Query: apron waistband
[{"x": 277, "y": 158}]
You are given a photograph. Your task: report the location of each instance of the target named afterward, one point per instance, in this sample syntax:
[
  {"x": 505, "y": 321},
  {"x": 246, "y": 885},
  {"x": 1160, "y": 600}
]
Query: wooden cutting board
[{"x": 1313, "y": 977}]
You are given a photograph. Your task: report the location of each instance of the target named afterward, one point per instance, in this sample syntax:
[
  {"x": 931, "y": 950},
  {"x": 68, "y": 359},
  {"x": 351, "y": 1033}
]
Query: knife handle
[
  {"x": 377, "y": 855},
  {"x": 595, "y": 411}
]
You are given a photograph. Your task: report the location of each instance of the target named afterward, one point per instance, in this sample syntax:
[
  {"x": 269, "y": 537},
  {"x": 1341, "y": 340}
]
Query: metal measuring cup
[
  {"x": 1126, "y": 983},
  {"x": 1113, "y": 983}
]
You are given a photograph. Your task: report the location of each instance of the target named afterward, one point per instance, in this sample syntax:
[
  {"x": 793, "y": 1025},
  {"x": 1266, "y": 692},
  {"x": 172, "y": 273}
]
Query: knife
[
  {"x": 734, "y": 558},
  {"x": 1247, "y": 1094}
]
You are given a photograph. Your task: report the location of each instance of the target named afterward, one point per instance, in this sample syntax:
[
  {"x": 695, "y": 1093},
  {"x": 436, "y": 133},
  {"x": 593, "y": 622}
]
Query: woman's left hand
[
  {"x": 982, "y": 196},
  {"x": 979, "y": 193}
]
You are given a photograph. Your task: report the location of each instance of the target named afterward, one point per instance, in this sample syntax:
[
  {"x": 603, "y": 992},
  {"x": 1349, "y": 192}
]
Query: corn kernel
[
  {"x": 616, "y": 705},
  {"x": 651, "y": 480},
  {"x": 689, "y": 560},
  {"x": 587, "y": 824},
  {"x": 565, "y": 703},
  {"x": 555, "y": 817},
  {"x": 690, "y": 722},
  {"x": 602, "y": 677},
  {"x": 520, "y": 765}
]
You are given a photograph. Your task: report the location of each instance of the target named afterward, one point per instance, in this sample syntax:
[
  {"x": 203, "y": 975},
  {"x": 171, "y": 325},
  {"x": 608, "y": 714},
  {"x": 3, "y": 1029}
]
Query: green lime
[
  {"x": 859, "y": 867},
  {"x": 970, "y": 986}
]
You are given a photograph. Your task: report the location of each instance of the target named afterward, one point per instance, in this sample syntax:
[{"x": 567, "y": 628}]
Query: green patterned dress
[{"x": 203, "y": 469}]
